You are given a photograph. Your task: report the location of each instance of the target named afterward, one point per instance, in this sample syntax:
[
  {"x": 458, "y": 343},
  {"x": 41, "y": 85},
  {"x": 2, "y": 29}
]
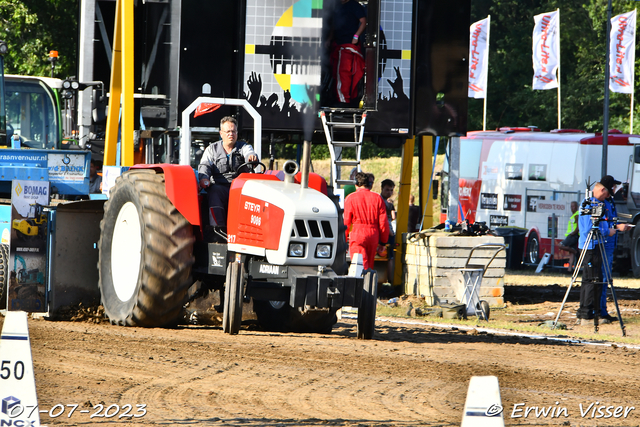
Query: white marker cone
[
  {"x": 17, "y": 381},
  {"x": 483, "y": 407}
]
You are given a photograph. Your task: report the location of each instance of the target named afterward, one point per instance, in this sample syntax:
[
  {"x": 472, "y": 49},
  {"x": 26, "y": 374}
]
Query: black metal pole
[{"x": 605, "y": 128}]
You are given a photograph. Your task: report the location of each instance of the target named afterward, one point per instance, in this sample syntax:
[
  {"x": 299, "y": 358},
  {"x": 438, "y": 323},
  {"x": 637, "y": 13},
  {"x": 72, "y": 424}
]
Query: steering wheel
[{"x": 251, "y": 167}]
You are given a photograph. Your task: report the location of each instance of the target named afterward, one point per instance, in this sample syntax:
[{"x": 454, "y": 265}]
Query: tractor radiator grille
[{"x": 305, "y": 227}]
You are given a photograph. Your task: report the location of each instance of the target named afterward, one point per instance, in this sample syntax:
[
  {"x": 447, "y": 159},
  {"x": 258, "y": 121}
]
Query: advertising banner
[
  {"x": 5, "y": 233},
  {"x": 622, "y": 51},
  {"x": 513, "y": 171},
  {"x": 546, "y": 49},
  {"x": 512, "y": 202},
  {"x": 537, "y": 172},
  {"x": 479, "y": 58},
  {"x": 532, "y": 203},
  {"x": 490, "y": 170},
  {"x": 498, "y": 221},
  {"x": 489, "y": 201},
  {"x": 553, "y": 206},
  {"x": 28, "y": 246}
]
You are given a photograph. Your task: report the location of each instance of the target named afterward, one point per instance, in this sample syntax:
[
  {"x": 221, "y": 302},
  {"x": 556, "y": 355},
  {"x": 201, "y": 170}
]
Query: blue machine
[{"x": 66, "y": 170}]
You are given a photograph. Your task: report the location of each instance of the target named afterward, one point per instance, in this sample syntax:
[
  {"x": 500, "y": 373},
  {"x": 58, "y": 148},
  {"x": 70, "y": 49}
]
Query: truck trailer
[{"x": 521, "y": 177}]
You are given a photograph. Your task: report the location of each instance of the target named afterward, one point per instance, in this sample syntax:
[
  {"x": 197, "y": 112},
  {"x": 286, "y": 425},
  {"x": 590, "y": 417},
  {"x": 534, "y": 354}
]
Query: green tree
[{"x": 32, "y": 28}]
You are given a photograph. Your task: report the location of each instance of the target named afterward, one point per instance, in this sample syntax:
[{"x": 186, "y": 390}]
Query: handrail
[{"x": 498, "y": 246}]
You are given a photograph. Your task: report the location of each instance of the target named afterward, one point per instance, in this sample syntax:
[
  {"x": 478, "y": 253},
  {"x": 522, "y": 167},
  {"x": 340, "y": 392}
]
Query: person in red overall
[
  {"x": 368, "y": 214},
  {"x": 349, "y": 23}
]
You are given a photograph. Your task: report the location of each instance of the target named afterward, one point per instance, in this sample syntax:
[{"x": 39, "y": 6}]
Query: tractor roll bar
[{"x": 185, "y": 131}]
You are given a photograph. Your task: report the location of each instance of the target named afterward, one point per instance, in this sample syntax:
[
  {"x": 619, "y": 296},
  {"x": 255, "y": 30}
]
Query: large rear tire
[
  {"x": 4, "y": 273},
  {"x": 233, "y": 295},
  {"x": 635, "y": 252},
  {"x": 368, "y": 304},
  {"x": 146, "y": 253}
]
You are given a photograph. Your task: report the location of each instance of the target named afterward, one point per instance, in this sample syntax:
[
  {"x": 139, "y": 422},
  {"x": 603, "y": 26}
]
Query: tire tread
[{"x": 167, "y": 254}]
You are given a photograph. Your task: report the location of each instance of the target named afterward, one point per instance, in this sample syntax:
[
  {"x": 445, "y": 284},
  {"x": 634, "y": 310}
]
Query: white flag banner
[
  {"x": 622, "y": 51},
  {"x": 546, "y": 33},
  {"x": 479, "y": 58}
]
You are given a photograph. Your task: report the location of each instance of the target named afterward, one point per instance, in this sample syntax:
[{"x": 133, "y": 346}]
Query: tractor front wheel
[
  {"x": 146, "y": 253},
  {"x": 233, "y": 295}
]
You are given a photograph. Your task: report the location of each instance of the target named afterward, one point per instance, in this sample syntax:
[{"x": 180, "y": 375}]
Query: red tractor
[{"x": 285, "y": 250}]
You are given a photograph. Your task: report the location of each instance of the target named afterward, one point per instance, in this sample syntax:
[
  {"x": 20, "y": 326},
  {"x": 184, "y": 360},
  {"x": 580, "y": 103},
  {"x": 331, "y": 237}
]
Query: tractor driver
[{"x": 219, "y": 165}]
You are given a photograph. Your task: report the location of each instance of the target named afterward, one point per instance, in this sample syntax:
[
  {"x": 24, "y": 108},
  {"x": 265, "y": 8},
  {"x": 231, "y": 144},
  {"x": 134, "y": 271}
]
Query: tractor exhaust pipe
[
  {"x": 306, "y": 164},
  {"x": 309, "y": 120},
  {"x": 290, "y": 169}
]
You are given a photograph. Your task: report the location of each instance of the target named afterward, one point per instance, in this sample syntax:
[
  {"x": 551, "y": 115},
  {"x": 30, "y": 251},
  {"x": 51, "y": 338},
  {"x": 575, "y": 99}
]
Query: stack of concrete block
[{"x": 433, "y": 262}]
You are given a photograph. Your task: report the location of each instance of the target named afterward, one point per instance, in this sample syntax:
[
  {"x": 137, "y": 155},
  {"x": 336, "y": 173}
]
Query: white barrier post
[
  {"x": 17, "y": 381},
  {"x": 483, "y": 407}
]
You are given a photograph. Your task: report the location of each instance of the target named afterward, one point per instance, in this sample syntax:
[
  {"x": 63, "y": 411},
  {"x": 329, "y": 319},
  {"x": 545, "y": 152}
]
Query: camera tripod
[{"x": 594, "y": 235}]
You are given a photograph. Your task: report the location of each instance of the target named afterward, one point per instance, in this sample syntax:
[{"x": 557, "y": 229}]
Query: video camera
[{"x": 595, "y": 209}]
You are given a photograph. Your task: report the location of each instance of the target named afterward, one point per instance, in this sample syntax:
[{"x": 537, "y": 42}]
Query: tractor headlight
[
  {"x": 296, "y": 250},
  {"x": 323, "y": 251}
]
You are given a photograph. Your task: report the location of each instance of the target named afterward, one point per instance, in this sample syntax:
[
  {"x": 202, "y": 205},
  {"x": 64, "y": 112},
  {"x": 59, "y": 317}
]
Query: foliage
[
  {"x": 512, "y": 102},
  {"x": 32, "y": 28}
]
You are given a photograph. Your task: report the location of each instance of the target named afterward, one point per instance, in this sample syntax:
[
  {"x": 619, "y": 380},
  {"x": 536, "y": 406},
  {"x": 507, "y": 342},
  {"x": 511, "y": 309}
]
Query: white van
[{"x": 525, "y": 178}]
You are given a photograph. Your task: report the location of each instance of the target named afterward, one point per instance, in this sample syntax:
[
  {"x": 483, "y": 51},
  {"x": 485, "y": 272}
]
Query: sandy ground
[{"x": 409, "y": 375}]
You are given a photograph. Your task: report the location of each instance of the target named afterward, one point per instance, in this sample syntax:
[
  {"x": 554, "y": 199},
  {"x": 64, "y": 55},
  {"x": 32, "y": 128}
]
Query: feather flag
[
  {"x": 546, "y": 50},
  {"x": 479, "y": 58},
  {"x": 622, "y": 49}
]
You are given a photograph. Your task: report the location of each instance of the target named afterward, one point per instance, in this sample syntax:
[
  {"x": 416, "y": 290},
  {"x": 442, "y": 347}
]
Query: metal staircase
[{"x": 343, "y": 122}]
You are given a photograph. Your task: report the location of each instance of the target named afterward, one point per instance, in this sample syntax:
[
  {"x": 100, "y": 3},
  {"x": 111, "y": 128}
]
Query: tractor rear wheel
[
  {"x": 4, "y": 272},
  {"x": 635, "y": 252},
  {"x": 146, "y": 253},
  {"x": 368, "y": 304},
  {"x": 233, "y": 295}
]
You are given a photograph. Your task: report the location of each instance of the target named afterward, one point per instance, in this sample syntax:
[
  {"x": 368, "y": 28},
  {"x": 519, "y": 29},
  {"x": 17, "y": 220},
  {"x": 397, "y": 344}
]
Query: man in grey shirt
[{"x": 219, "y": 165}]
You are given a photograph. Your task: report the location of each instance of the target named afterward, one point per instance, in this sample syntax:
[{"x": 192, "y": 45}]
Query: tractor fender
[{"x": 182, "y": 189}]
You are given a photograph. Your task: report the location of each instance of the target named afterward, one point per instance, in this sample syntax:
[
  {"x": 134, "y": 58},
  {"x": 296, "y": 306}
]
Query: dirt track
[{"x": 409, "y": 375}]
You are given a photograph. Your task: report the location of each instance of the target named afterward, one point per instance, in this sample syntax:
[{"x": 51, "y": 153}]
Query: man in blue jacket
[
  {"x": 610, "y": 244},
  {"x": 592, "y": 278}
]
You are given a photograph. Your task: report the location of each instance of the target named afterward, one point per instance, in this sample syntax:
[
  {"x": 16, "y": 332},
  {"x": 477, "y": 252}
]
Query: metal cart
[{"x": 472, "y": 275}]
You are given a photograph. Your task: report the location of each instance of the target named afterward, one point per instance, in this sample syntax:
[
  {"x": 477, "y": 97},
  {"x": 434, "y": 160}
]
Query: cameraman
[
  {"x": 610, "y": 243},
  {"x": 593, "y": 213}
]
